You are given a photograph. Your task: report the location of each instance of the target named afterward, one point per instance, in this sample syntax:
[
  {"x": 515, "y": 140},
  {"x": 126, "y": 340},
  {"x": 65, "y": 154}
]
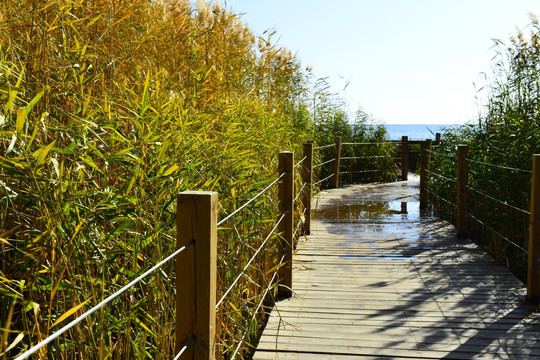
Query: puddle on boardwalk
[
  {"x": 369, "y": 209},
  {"x": 368, "y": 216}
]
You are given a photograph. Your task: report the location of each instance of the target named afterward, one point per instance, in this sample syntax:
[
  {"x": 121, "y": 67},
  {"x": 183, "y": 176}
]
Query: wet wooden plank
[
  {"x": 391, "y": 348},
  {"x": 396, "y": 286}
]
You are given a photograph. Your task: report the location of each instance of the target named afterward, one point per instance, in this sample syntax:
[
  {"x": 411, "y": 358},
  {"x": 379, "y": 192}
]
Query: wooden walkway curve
[{"x": 377, "y": 280}]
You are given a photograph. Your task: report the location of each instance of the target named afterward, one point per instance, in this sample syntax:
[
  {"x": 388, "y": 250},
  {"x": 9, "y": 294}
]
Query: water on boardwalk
[{"x": 380, "y": 209}]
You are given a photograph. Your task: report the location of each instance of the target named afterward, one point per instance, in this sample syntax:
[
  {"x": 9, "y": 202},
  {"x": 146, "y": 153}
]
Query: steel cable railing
[
  {"x": 270, "y": 284},
  {"x": 441, "y": 176},
  {"x": 480, "y": 192},
  {"x": 107, "y": 300},
  {"x": 249, "y": 262},
  {"x": 324, "y": 147},
  {"x": 432, "y": 154},
  {"x": 262, "y": 245},
  {"x": 366, "y": 157},
  {"x": 349, "y": 158},
  {"x": 441, "y": 198},
  {"x": 300, "y": 162},
  {"x": 498, "y": 201},
  {"x": 323, "y": 180},
  {"x": 436, "y": 153},
  {"x": 499, "y": 166},
  {"x": 324, "y": 163},
  {"x": 357, "y": 161},
  {"x": 484, "y": 195},
  {"x": 496, "y": 232},
  {"x": 300, "y": 192},
  {"x": 361, "y": 171},
  {"x": 366, "y": 143},
  {"x": 299, "y": 223}
]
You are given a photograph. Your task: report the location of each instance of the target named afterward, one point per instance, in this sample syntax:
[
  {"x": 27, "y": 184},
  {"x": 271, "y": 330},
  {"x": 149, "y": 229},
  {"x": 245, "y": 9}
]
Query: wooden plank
[
  {"x": 271, "y": 355},
  {"x": 399, "y": 348},
  {"x": 446, "y": 339},
  {"x": 409, "y": 305},
  {"x": 329, "y": 331},
  {"x": 433, "y": 323},
  {"x": 301, "y": 320},
  {"x": 403, "y": 305},
  {"x": 382, "y": 349},
  {"x": 433, "y": 314},
  {"x": 404, "y": 283}
]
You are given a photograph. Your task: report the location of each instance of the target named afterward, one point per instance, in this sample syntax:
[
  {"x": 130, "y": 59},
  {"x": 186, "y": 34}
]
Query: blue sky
[{"x": 406, "y": 61}]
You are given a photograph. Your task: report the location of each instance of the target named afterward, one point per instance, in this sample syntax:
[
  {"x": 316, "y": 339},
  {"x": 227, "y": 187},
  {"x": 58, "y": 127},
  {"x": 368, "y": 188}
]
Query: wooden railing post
[
  {"x": 462, "y": 189},
  {"x": 533, "y": 276},
  {"x": 196, "y": 222},
  {"x": 437, "y": 138},
  {"x": 335, "y": 179},
  {"x": 404, "y": 157},
  {"x": 307, "y": 178},
  {"x": 286, "y": 209},
  {"x": 424, "y": 146}
]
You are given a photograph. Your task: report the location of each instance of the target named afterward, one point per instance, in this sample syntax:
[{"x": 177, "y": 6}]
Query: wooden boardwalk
[{"x": 378, "y": 280}]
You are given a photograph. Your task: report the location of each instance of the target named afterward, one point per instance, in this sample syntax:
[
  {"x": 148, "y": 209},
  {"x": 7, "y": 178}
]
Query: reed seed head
[{"x": 534, "y": 19}]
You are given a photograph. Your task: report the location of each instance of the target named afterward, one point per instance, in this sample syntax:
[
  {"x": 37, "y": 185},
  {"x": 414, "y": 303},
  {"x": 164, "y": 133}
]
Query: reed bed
[
  {"x": 109, "y": 109},
  {"x": 505, "y": 133}
]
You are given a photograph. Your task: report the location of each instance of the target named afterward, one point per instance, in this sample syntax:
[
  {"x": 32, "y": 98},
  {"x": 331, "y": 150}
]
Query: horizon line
[{"x": 446, "y": 124}]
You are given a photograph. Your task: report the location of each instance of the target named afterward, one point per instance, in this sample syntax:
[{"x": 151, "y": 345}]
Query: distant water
[{"x": 415, "y": 132}]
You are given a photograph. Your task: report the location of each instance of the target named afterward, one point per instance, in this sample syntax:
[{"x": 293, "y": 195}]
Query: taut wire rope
[
  {"x": 184, "y": 348},
  {"x": 324, "y": 163},
  {"x": 326, "y": 178},
  {"x": 251, "y": 200}
]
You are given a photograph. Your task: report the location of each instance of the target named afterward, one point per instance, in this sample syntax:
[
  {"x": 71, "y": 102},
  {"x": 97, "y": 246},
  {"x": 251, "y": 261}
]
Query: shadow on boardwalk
[{"x": 378, "y": 279}]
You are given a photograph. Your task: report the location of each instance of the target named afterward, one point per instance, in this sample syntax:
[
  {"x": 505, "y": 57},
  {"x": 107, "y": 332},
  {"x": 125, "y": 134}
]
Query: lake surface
[{"x": 415, "y": 132}]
